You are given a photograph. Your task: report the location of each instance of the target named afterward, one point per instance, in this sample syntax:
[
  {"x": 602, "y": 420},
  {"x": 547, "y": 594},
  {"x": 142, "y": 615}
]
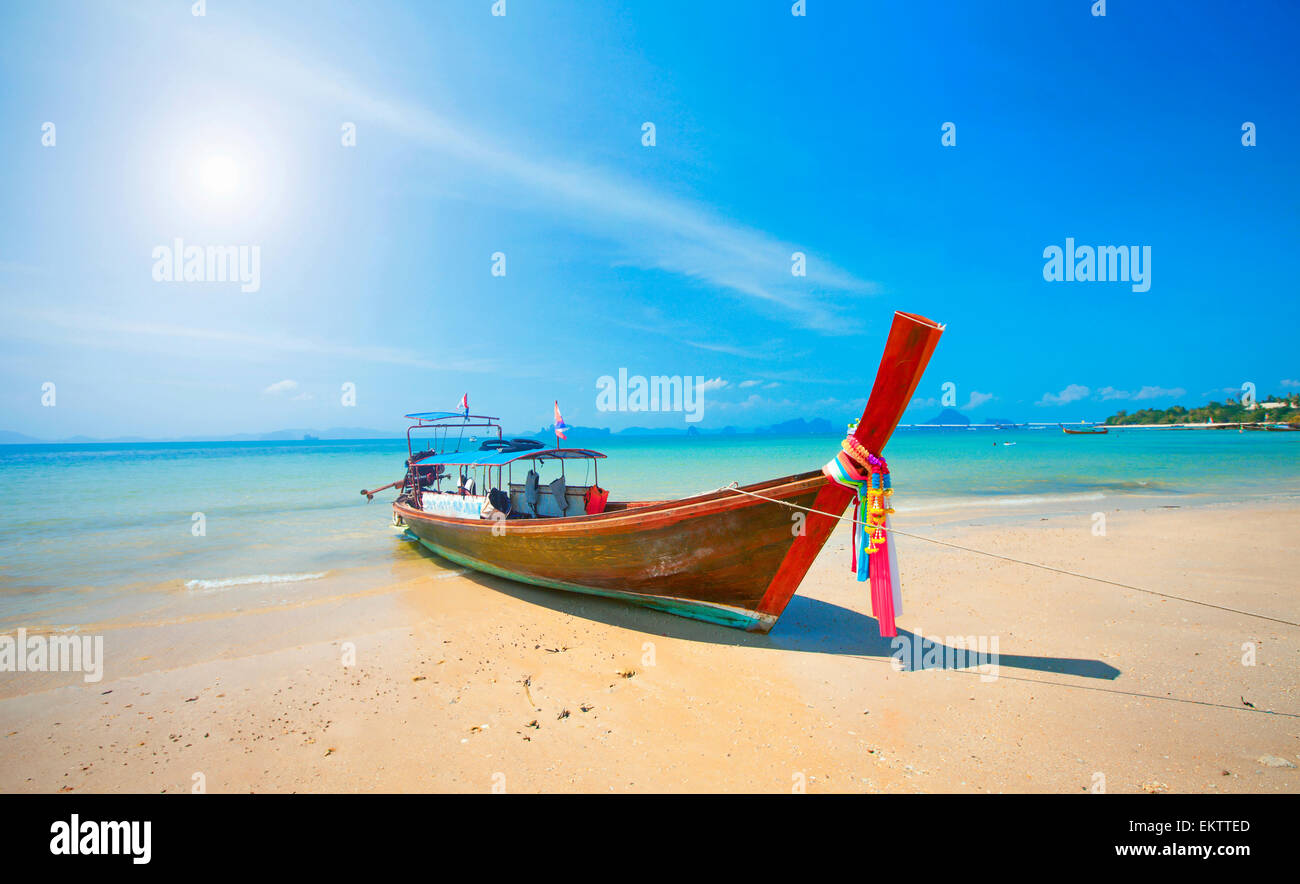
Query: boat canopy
[
  {"x": 492, "y": 458},
  {"x": 423, "y": 416}
]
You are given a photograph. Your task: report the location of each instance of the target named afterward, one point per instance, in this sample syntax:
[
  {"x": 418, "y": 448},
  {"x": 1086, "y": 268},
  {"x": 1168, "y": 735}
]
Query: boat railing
[{"x": 443, "y": 423}]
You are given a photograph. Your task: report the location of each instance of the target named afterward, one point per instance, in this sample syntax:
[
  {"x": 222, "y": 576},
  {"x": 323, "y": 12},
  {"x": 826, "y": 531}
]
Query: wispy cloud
[
  {"x": 653, "y": 230},
  {"x": 20, "y": 268},
  {"x": 1072, "y": 393},
  {"x": 1147, "y": 392},
  {"x": 975, "y": 400},
  {"x": 279, "y": 387},
  {"x": 655, "y": 323},
  {"x": 99, "y": 330},
  {"x": 726, "y": 348},
  {"x": 828, "y": 407}
]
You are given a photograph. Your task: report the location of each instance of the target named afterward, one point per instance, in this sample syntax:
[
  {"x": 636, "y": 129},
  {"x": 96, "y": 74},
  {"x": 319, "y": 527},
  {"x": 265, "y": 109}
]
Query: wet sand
[{"x": 468, "y": 683}]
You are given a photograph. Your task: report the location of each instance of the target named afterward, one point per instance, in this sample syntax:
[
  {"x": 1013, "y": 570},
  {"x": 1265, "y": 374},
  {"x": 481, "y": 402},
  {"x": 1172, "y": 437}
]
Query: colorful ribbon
[{"x": 868, "y": 475}]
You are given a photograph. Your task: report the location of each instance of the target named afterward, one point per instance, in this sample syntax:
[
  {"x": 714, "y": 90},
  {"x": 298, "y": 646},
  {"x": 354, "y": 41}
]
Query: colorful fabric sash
[{"x": 873, "y": 555}]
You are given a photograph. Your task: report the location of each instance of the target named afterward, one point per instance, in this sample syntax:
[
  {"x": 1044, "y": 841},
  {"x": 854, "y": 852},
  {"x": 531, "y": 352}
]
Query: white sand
[{"x": 260, "y": 701}]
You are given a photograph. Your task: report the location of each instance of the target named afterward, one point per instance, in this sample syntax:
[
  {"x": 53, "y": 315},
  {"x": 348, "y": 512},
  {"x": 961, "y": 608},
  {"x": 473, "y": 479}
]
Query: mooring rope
[
  {"x": 1164, "y": 698},
  {"x": 734, "y": 487}
]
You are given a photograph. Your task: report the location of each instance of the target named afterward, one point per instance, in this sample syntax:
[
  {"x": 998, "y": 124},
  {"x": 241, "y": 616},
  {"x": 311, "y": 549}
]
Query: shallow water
[{"x": 108, "y": 532}]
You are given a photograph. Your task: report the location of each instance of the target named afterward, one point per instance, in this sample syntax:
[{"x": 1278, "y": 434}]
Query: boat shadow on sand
[{"x": 808, "y": 625}]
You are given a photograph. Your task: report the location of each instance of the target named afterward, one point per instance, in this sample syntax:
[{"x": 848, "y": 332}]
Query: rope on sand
[{"x": 1163, "y": 595}]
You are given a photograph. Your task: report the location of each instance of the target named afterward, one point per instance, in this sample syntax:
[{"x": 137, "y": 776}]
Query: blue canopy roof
[
  {"x": 446, "y": 415},
  {"x": 501, "y": 458}
]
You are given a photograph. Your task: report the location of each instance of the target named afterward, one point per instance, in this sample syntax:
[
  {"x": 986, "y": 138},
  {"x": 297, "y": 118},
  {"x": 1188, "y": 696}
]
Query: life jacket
[
  {"x": 559, "y": 491},
  {"x": 530, "y": 491},
  {"x": 595, "y": 499}
]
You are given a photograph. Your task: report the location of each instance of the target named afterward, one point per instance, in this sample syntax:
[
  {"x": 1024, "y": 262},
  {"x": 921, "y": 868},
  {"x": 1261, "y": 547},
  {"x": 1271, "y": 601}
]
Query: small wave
[
  {"x": 1064, "y": 498},
  {"x": 257, "y": 578},
  {"x": 961, "y": 503}
]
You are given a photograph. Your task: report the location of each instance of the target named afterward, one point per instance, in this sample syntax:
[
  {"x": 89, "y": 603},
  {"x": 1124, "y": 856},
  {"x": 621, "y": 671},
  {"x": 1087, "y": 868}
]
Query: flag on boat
[
  {"x": 560, "y": 426},
  {"x": 464, "y": 403}
]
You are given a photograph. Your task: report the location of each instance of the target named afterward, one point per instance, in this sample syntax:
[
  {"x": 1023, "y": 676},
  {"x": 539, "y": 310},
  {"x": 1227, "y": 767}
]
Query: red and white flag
[
  {"x": 464, "y": 403},
  {"x": 560, "y": 425}
]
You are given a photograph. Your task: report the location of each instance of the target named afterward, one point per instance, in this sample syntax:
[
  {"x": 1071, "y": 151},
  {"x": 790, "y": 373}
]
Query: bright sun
[{"x": 219, "y": 175}]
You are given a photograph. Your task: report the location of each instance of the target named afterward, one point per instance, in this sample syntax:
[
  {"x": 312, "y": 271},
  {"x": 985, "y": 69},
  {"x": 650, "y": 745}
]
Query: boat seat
[
  {"x": 547, "y": 506},
  {"x": 500, "y": 500}
]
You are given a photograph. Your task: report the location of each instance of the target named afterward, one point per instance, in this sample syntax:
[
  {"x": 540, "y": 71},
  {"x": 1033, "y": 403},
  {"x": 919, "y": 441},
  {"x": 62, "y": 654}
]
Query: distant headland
[{"x": 1272, "y": 409}]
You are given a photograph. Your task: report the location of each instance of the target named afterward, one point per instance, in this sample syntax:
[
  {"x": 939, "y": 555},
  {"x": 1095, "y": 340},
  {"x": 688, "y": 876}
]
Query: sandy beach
[{"x": 468, "y": 683}]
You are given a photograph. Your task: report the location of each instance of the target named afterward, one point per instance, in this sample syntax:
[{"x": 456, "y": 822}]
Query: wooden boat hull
[
  {"x": 1070, "y": 432},
  {"x": 727, "y": 557},
  {"x": 709, "y": 557}
]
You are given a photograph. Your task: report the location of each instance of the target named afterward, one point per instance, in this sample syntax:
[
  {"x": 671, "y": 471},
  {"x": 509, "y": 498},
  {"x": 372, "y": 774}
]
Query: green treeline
[{"x": 1231, "y": 411}]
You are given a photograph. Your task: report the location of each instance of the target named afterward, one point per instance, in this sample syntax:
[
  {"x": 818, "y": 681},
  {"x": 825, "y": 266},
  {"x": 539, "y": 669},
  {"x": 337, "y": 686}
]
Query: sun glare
[{"x": 219, "y": 175}]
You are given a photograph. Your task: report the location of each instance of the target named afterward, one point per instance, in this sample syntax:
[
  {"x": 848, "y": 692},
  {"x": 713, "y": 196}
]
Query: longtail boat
[
  {"x": 734, "y": 556},
  {"x": 1092, "y": 432}
]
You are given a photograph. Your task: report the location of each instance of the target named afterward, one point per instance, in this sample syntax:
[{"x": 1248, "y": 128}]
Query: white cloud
[
  {"x": 285, "y": 386},
  {"x": 1072, "y": 393},
  {"x": 746, "y": 384},
  {"x": 1288, "y": 382},
  {"x": 1147, "y": 392},
  {"x": 785, "y": 406},
  {"x": 1159, "y": 393},
  {"x": 977, "y": 399},
  {"x": 710, "y": 385}
]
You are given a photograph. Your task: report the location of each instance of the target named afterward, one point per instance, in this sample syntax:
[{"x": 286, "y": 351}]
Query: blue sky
[{"x": 522, "y": 134}]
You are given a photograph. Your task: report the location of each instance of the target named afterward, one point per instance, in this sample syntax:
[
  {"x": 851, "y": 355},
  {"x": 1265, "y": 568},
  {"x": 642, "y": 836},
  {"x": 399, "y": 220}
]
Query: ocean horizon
[{"x": 167, "y": 529}]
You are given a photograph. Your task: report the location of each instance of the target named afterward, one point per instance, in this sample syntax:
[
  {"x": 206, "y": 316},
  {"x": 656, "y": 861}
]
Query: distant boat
[
  {"x": 1283, "y": 428},
  {"x": 727, "y": 556},
  {"x": 1092, "y": 432}
]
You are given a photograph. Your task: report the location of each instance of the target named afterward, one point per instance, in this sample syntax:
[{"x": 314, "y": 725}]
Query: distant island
[
  {"x": 1273, "y": 409},
  {"x": 796, "y": 427},
  {"x": 947, "y": 419}
]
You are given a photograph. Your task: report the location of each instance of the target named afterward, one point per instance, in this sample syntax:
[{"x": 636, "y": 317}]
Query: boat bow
[{"x": 911, "y": 343}]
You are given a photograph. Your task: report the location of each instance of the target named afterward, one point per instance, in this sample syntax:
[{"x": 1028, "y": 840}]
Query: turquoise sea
[{"x": 106, "y": 531}]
